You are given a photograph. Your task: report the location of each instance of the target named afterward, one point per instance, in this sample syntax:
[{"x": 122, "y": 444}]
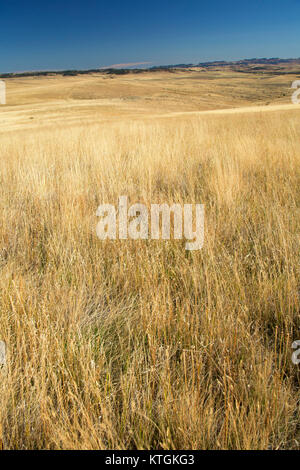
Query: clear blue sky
[{"x": 65, "y": 34}]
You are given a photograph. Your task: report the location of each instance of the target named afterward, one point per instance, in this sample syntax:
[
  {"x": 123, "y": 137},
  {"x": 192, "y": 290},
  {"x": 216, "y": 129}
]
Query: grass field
[{"x": 142, "y": 344}]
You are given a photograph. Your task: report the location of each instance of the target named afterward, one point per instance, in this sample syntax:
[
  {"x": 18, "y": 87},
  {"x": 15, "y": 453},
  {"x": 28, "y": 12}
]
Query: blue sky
[{"x": 66, "y": 34}]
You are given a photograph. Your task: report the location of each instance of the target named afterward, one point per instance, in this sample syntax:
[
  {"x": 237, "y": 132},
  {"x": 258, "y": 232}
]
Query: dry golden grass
[
  {"x": 40, "y": 102},
  {"x": 141, "y": 344}
]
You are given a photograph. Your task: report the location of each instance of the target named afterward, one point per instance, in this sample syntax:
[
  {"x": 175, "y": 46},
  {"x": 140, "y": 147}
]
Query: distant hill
[
  {"x": 272, "y": 61},
  {"x": 248, "y": 65}
]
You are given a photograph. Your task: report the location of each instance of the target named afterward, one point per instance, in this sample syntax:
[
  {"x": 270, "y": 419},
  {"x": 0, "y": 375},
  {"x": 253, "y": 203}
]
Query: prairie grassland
[{"x": 141, "y": 344}]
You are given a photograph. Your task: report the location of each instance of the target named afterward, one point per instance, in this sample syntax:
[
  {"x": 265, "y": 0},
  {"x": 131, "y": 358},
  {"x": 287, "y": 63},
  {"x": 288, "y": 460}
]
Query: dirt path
[
  {"x": 246, "y": 109},
  {"x": 63, "y": 112}
]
